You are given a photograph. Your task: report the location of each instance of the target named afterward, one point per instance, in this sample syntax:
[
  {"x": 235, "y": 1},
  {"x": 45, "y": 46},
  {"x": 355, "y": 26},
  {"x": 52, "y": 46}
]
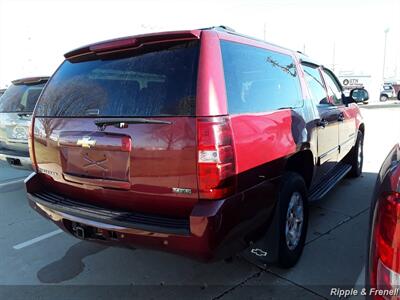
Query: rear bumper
[
  {"x": 16, "y": 159},
  {"x": 213, "y": 231}
]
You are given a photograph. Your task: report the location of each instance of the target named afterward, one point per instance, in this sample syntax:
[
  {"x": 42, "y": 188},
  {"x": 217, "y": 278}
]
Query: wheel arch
[
  {"x": 302, "y": 162},
  {"x": 362, "y": 128}
]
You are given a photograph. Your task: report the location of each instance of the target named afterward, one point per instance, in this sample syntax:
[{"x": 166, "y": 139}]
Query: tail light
[
  {"x": 385, "y": 246},
  {"x": 31, "y": 146},
  {"x": 126, "y": 144},
  {"x": 216, "y": 158}
]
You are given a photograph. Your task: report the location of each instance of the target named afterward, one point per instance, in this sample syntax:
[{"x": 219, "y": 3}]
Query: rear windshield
[
  {"x": 20, "y": 98},
  {"x": 156, "y": 83}
]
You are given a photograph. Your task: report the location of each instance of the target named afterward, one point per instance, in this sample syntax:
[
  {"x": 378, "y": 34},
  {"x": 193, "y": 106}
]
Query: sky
[{"x": 347, "y": 35}]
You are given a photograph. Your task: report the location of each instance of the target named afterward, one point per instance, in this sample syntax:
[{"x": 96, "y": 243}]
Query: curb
[{"x": 389, "y": 105}]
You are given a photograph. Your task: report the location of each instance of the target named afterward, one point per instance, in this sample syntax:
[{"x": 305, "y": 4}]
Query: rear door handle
[
  {"x": 322, "y": 123},
  {"x": 341, "y": 117}
]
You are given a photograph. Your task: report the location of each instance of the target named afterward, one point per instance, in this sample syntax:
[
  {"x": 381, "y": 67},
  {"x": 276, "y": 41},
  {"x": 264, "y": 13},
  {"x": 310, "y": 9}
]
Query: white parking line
[
  {"x": 37, "y": 239},
  {"x": 360, "y": 282},
  {"x": 4, "y": 184}
]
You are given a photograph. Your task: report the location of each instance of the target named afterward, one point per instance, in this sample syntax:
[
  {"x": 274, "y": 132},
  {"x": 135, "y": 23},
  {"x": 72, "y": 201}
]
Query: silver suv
[
  {"x": 16, "y": 107},
  {"x": 387, "y": 92}
]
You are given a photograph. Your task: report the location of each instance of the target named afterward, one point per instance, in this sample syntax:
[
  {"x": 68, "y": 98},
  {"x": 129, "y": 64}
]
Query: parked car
[
  {"x": 387, "y": 92},
  {"x": 383, "y": 270},
  {"x": 16, "y": 107},
  {"x": 360, "y": 94},
  {"x": 193, "y": 142}
]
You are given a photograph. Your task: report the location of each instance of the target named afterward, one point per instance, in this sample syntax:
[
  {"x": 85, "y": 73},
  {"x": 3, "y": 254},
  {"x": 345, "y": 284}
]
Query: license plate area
[
  {"x": 109, "y": 165},
  {"x": 95, "y": 155}
]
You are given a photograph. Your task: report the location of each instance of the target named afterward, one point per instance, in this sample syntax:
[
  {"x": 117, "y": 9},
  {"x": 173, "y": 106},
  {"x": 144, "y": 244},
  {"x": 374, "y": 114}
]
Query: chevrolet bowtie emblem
[{"x": 86, "y": 142}]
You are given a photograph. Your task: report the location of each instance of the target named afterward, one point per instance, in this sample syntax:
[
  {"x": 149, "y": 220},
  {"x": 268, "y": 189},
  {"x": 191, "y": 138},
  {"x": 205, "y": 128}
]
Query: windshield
[
  {"x": 20, "y": 98},
  {"x": 156, "y": 83}
]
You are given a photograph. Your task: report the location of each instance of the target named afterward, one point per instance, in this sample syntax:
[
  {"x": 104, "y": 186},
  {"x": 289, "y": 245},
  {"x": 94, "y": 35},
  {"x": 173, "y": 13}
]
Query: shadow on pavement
[{"x": 71, "y": 265}]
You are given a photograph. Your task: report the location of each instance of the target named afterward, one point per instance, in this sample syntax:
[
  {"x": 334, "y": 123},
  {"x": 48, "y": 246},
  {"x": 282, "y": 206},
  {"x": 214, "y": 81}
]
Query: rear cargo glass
[
  {"x": 159, "y": 82},
  {"x": 20, "y": 98}
]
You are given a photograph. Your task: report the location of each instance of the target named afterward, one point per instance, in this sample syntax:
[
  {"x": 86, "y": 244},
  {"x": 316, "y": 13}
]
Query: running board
[{"x": 328, "y": 181}]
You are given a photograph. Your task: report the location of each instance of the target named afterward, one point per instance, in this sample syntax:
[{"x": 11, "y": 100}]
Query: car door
[
  {"x": 327, "y": 123},
  {"x": 346, "y": 119}
]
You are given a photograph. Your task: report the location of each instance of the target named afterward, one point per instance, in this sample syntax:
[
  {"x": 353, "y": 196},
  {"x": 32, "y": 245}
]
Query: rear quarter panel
[{"x": 263, "y": 141}]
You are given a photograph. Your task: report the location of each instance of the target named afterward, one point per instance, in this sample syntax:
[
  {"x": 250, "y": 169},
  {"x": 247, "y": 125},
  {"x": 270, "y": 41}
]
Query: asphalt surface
[{"x": 38, "y": 261}]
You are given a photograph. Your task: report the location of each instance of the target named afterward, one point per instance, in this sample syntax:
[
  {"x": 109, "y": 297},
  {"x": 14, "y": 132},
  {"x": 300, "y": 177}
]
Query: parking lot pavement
[
  {"x": 10, "y": 177},
  {"x": 37, "y": 260}
]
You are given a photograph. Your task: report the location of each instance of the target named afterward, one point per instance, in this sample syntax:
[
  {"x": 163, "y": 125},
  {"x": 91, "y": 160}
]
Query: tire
[
  {"x": 384, "y": 98},
  {"x": 293, "y": 187},
  {"x": 398, "y": 95},
  {"x": 356, "y": 157}
]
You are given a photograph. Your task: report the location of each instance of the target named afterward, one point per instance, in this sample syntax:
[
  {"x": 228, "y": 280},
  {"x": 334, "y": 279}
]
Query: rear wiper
[{"x": 123, "y": 122}]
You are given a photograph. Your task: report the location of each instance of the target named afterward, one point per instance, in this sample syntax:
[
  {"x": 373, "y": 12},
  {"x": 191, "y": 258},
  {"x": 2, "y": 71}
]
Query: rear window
[
  {"x": 20, "y": 98},
  {"x": 155, "y": 83},
  {"x": 259, "y": 80}
]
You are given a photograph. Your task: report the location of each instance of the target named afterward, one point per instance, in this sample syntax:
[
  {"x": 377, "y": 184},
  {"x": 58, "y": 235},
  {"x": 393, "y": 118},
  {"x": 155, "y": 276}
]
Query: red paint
[
  {"x": 384, "y": 258},
  {"x": 211, "y": 94},
  {"x": 133, "y": 41},
  {"x": 163, "y": 156},
  {"x": 261, "y": 138}
]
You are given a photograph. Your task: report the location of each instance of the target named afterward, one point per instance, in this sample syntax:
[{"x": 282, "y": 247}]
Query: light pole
[
  {"x": 334, "y": 56},
  {"x": 384, "y": 55},
  {"x": 265, "y": 31}
]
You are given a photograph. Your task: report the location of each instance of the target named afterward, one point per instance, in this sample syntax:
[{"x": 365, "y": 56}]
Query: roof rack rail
[
  {"x": 232, "y": 31},
  {"x": 220, "y": 27}
]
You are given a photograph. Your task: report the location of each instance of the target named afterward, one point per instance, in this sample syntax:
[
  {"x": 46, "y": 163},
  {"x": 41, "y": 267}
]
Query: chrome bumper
[{"x": 17, "y": 161}]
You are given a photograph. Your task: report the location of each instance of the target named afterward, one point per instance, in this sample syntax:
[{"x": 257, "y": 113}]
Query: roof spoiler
[
  {"x": 30, "y": 80},
  {"x": 131, "y": 42}
]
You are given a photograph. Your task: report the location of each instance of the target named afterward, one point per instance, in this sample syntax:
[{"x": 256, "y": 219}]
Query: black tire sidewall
[
  {"x": 291, "y": 182},
  {"x": 356, "y": 169}
]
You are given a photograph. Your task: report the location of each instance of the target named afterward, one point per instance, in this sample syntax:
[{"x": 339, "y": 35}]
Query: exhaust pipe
[{"x": 14, "y": 162}]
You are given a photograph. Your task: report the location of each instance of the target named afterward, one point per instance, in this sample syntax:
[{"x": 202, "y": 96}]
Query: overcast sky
[{"x": 34, "y": 34}]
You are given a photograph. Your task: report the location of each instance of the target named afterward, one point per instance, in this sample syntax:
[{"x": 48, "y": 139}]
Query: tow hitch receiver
[{"x": 78, "y": 231}]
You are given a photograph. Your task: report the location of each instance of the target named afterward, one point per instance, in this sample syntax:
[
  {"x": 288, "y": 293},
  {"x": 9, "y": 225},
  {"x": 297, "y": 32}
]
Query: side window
[
  {"x": 259, "y": 80},
  {"x": 315, "y": 84},
  {"x": 333, "y": 87}
]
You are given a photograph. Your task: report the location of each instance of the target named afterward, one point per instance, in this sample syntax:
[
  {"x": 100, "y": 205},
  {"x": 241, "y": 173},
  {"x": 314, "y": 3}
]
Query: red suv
[{"x": 193, "y": 142}]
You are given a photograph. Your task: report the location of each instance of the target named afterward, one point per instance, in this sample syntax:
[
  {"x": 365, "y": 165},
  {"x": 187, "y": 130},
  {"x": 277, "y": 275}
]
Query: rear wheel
[
  {"x": 384, "y": 98},
  {"x": 356, "y": 156},
  {"x": 293, "y": 219}
]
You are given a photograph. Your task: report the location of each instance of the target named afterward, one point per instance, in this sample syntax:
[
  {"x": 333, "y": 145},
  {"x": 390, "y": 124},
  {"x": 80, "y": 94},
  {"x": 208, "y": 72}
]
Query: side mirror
[{"x": 359, "y": 95}]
